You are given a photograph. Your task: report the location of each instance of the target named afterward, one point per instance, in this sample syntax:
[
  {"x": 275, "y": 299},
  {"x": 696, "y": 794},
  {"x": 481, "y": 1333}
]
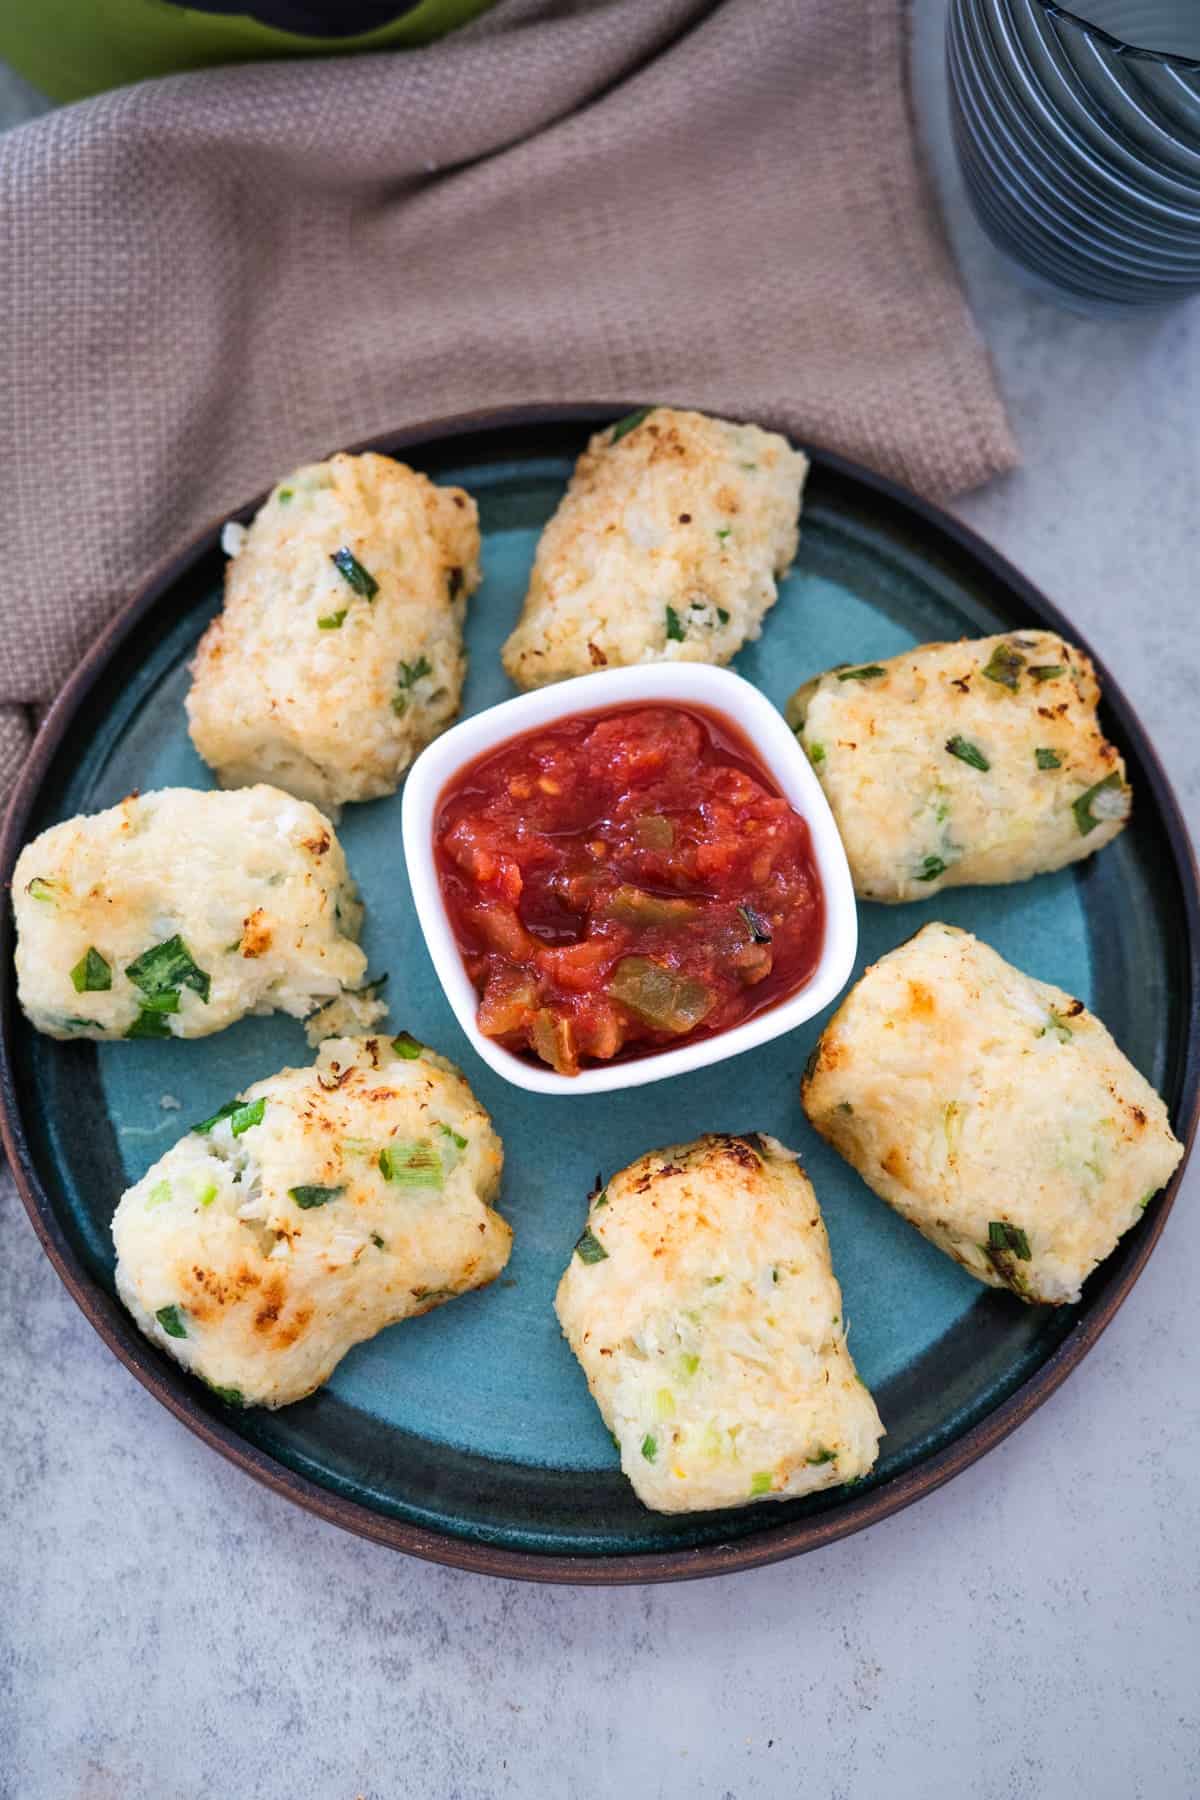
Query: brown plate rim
[{"x": 773, "y": 1543}]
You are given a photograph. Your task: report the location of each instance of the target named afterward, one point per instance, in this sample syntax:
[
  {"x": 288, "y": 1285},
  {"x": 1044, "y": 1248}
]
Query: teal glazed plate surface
[{"x": 468, "y": 1435}]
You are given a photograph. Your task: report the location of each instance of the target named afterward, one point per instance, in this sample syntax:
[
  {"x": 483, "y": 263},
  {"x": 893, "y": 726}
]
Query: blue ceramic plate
[{"x": 468, "y": 1435}]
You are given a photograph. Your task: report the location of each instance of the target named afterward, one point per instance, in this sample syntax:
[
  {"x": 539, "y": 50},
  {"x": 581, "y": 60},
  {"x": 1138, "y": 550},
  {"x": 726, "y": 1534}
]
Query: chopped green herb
[
  {"x": 159, "y": 1194},
  {"x": 40, "y": 889},
  {"x": 332, "y": 621},
  {"x": 649, "y": 1447},
  {"x": 308, "y": 1197},
  {"x": 821, "y": 1455},
  {"x": 459, "y": 1142},
  {"x": 816, "y": 754},
  {"x": 91, "y": 974},
  {"x": 204, "y": 1192},
  {"x": 723, "y": 533},
  {"x": 223, "y": 1112},
  {"x": 629, "y": 423},
  {"x": 165, "y": 968},
  {"x": 869, "y": 672},
  {"x": 1048, "y": 671},
  {"x": 285, "y": 495},
  {"x": 722, "y": 615},
  {"x": 674, "y": 626},
  {"x": 1146, "y": 1199},
  {"x": 353, "y": 573},
  {"x": 230, "y": 1395},
  {"x": 601, "y": 1197},
  {"x": 407, "y": 1046},
  {"x": 747, "y": 465},
  {"x": 378, "y": 1241},
  {"x": 1005, "y": 1237},
  {"x": 775, "y": 1276},
  {"x": 1004, "y": 667},
  {"x": 412, "y": 1165},
  {"x": 760, "y": 929},
  {"x": 1058, "y": 1025},
  {"x": 588, "y": 1247},
  {"x": 244, "y": 1117},
  {"x": 1048, "y": 759},
  {"x": 690, "y": 1362},
  {"x": 411, "y": 673},
  {"x": 1086, "y": 816},
  {"x": 171, "y": 1322},
  {"x": 761, "y": 1483},
  {"x": 968, "y": 752},
  {"x": 74, "y": 1023},
  {"x": 930, "y": 869}
]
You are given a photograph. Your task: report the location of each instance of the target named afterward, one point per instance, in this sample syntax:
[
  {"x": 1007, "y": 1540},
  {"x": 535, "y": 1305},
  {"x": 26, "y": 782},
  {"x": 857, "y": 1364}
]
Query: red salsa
[{"x": 625, "y": 880}]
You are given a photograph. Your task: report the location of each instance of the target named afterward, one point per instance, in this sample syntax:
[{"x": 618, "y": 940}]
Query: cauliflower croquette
[
  {"x": 703, "y": 1307},
  {"x": 339, "y": 653},
  {"x": 666, "y": 547},
  {"x": 177, "y": 912},
  {"x": 994, "y": 1112},
  {"x": 963, "y": 764},
  {"x": 321, "y": 1205}
]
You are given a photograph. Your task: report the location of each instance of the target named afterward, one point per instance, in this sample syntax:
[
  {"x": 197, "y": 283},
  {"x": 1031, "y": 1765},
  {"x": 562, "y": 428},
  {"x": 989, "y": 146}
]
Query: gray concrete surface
[{"x": 1030, "y": 1631}]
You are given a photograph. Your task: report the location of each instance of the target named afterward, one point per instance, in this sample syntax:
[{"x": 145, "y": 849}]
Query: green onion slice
[
  {"x": 629, "y": 423},
  {"x": 968, "y": 752},
  {"x": 649, "y": 1447},
  {"x": 40, "y": 889},
  {"x": 1004, "y": 667},
  {"x": 821, "y": 1455},
  {"x": 223, "y": 1112},
  {"x": 170, "y": 1320},
  {"x": 1005, "y": 1237},
  {"x": 1048, "y": 759},
  {"x": 91, "y": 974},
  {"x": 406, "y": 1046},
  {"x": 588, "y": 1247},
  {"x": 166, "y": 967},
  {"x": 1047, "y": 671},
  {"x": 243, "y": 1117},
  {"x": 761, "y": 1483},
  {"x": 332, "y": 621},
  {"x": 930, "y": 869},
  {"x": 675, "y": 629},
  {"x": 1087, "y": 816},
  {"x": 308, "y": 1197},
  {"x": 150, "y": 1022},
  {"x": 412, "y": 1165},
  {"x": 869, "y": 672},
  {"x": 353, "y": 573}
]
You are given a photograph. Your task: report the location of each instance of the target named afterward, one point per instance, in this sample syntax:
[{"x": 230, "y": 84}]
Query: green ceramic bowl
[{"x": 468, "y": 1436}]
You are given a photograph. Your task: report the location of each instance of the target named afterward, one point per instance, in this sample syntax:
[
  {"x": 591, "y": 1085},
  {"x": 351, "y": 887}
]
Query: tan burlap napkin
[{"x": 208, "y": 279}]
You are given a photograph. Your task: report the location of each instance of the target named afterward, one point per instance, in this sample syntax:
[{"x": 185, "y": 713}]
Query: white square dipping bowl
[{"x": 695, "y": 684}]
